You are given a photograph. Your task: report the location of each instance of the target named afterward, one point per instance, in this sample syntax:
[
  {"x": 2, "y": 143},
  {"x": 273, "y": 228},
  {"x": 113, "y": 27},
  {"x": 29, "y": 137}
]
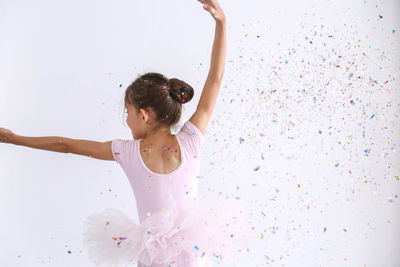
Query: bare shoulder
[{"x": 200, "y": 119}]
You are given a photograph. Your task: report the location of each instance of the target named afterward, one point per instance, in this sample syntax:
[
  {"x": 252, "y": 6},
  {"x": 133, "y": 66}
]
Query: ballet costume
[{"x": 175, "y": 228}]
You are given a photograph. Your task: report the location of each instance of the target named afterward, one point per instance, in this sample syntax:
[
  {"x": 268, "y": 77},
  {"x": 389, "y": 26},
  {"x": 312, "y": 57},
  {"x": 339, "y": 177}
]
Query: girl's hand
[
  {"x": 6, "y": 135},
  {"x": 214, "y": 8}
]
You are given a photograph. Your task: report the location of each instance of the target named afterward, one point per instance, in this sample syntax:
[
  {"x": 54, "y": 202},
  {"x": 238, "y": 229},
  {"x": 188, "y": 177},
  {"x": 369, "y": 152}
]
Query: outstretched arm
[
  {"x": 98, "y": 150},
  {"x": 218, "y": 54},
  {"x": 212, "y": 85}
]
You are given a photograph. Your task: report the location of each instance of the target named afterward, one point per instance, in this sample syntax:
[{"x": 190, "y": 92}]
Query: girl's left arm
[{"x": 94, "y": 149}]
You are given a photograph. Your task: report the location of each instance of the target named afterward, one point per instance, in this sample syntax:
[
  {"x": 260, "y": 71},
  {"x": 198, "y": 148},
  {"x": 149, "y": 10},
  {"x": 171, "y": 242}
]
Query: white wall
[{"x": 327, "y": 190}]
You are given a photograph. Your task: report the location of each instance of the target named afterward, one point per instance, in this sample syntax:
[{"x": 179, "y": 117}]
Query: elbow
[
  {"x": 63, "y": 148},
  {"x": 216, "y": 80},
  {"x": 217, "y": 83}
]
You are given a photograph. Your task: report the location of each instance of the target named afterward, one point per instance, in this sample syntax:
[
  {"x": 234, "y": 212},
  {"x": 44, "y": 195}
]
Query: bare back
[{"x": 163, "y": 157}]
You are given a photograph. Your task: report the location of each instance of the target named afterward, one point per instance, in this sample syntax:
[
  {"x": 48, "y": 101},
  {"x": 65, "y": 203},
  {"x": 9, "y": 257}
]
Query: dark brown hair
[{"x": 162, "y": 95}]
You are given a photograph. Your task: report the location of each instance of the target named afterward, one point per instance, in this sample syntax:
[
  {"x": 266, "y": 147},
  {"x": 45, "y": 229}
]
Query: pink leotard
[{"x": 150, "y": 188}]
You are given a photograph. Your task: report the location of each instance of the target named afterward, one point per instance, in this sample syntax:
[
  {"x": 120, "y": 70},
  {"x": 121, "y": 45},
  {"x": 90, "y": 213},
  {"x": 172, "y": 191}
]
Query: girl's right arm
[
  {"x": 93, "y": 149},
  {"x": 212, "y": 85}
]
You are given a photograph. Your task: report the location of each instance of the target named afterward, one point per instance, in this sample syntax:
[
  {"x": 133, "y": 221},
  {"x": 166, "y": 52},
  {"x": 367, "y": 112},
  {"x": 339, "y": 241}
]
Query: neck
[{"x": 158, "y": 136}]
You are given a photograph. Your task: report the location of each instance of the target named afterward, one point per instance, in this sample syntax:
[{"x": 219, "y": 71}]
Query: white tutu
[{"x": 217, "y": 231}]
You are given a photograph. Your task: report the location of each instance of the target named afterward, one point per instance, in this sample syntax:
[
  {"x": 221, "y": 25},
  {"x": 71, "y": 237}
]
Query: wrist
[
  {"x": 221, "y": 19},
  {"x": 13, "y": 139}
]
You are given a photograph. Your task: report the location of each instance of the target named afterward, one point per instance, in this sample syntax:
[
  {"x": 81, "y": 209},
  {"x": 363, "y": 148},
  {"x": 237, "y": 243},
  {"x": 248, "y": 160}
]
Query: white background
[{"x": 310, "y": 95}]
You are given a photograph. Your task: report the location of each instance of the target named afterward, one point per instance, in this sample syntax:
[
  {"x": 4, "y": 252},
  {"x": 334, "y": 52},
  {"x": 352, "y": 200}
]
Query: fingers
[
  {"x": 208, "y": 7},
  {"x": 4, "y": 133},
  {"x": 3, "y": 138},
  {"x": 207, "y": 4},
  {"x": 213, "y": 7}
]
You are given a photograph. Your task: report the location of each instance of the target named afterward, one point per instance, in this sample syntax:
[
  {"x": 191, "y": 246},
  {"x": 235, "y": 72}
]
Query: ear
[{"x": 145, "y": 115}]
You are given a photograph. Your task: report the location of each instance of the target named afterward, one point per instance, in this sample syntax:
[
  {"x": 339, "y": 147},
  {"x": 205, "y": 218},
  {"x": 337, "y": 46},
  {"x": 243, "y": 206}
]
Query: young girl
[{"x": 175, "y": 229}]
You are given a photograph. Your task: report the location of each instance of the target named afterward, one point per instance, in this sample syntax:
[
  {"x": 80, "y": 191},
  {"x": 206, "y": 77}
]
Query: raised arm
[
  {"x": 98, "y": 150},
  {"x": 212, "y": 85}
]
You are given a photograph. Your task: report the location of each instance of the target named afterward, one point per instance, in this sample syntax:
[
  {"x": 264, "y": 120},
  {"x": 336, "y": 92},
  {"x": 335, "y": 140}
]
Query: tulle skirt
[{"x": 211, "y": 230}]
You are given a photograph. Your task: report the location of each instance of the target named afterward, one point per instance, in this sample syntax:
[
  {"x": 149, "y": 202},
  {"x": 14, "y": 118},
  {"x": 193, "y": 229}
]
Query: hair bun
[{"x": 180, "y": 91}]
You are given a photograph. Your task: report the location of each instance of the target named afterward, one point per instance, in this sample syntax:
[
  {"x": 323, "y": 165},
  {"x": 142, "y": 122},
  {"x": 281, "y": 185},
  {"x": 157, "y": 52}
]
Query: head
[{"x": 153, "y": 104}]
